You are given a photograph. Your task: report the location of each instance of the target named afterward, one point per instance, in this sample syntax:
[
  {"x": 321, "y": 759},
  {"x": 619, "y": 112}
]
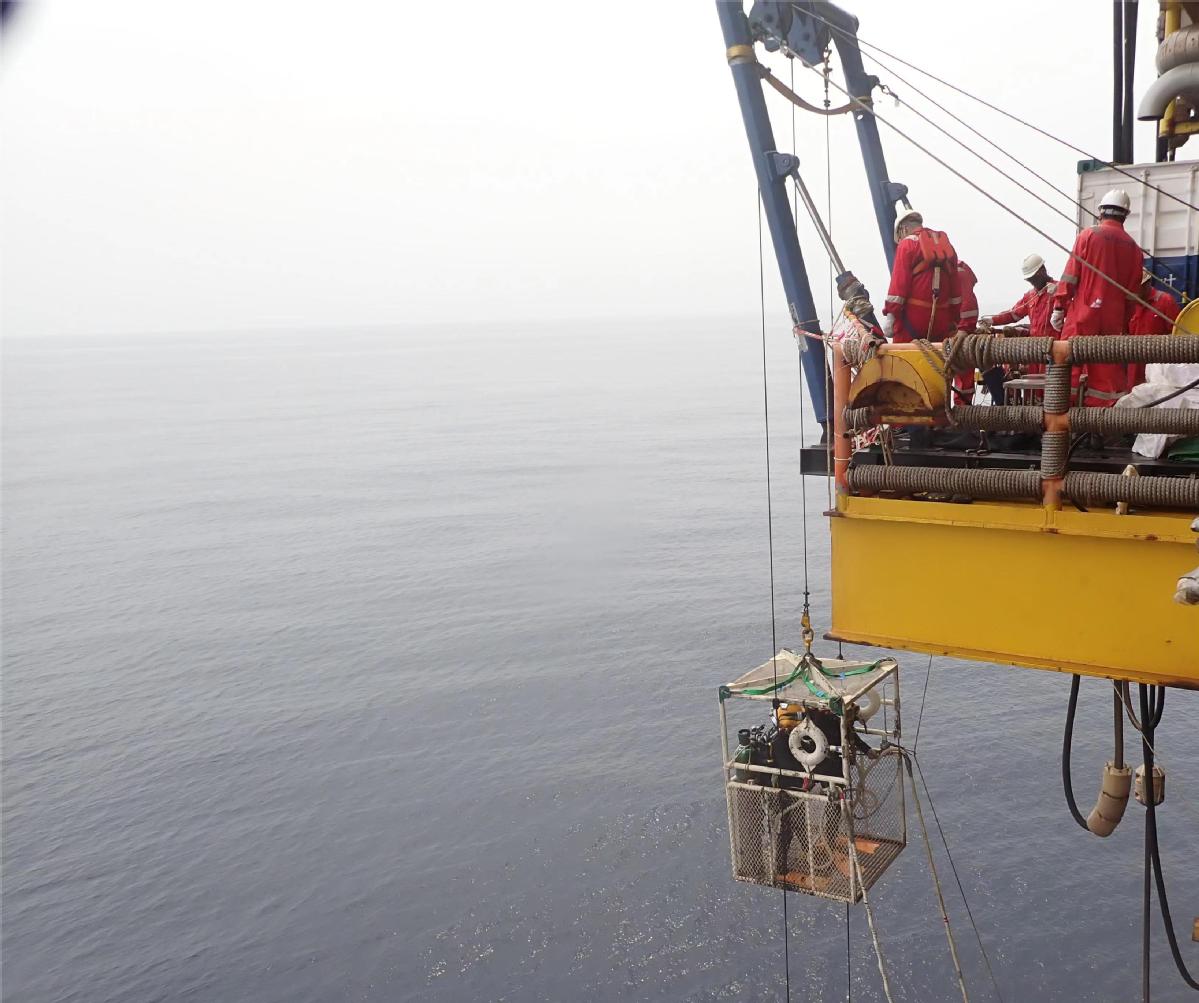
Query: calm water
[{"x": 381, "y": 666}]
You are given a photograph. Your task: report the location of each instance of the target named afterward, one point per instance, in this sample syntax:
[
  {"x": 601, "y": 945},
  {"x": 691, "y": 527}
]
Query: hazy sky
[{"x": 192, "y": 166}]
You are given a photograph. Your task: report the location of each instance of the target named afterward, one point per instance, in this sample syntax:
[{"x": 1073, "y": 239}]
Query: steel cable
[
  {"x": 1015, "y": 118},
  {"x": 869, "y": 109},
  {"x": 774, "y": 647}
]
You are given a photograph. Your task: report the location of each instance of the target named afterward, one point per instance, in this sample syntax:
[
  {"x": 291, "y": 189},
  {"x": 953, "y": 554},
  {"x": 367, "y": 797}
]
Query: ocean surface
[{"x": 382, "y": 665}]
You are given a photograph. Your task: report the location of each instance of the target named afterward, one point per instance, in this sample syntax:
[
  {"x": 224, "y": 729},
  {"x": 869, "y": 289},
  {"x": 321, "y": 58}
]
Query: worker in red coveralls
[
  {"x": 1087, "y": 303},
  {"x": 1036, "y": 304},
  {"x": 1146, "y": 321},
  {"x": 923, "y": 300},
  {"x": 963, "y": 382}
]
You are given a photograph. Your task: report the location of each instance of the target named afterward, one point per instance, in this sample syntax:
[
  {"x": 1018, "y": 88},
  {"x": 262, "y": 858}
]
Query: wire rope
[
  {"x": 1015, "y": 118},
  {"x": 868, "y": 108},
  {"x": 1016, "y": 160},
  {"x": 923, "y": 698},
  {"x": 957, "y": 878},
  {"x": 770, "y": 545}
]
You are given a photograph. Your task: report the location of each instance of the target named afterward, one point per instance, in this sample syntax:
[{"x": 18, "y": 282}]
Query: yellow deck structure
[{"x": 1018, "y": 583}]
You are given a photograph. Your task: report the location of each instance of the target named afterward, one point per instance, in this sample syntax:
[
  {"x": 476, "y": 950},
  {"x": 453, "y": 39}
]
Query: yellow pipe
[{"x": 1171, "y": 23}]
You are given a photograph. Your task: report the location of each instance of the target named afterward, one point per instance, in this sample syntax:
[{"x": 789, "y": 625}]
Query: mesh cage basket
[{"x": 819, "y": 833}]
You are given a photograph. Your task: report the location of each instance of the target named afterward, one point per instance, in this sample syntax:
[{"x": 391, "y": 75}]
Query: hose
[
  {"x": 1151, "y": 715},
  {"x": 992, "y": 484},
  {"x": 1177, "y": 393},
  {"x": 1090, "y": 487},
  {"x": 1119, "y": 420},
  {"x": 1067, "y": 742},
  {"x": 1106, "y": 420},
  {"x": 984, "y": 351},
  {"x": 1133, "y": 348},
  {"x": 1055, "y": 447},
  {"x": 1057, "y": 388},
  {"x": 997, "y": 417}
]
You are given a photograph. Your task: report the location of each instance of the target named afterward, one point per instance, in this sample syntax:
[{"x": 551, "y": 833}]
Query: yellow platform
[{"x": 1018, "y": 584}]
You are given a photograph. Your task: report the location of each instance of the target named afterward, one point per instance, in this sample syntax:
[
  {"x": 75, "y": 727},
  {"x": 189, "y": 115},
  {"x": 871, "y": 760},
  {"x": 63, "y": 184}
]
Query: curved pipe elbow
[
  {"x": 1180, "y": 82},
  {"x": 1113, "y": 799}
]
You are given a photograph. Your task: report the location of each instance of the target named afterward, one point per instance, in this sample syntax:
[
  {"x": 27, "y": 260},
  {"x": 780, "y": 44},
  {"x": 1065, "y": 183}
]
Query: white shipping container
[{"x": 1163, "y": 226}]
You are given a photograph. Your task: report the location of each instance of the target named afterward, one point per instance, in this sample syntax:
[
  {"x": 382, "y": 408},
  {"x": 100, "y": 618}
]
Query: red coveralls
[
  {"x": 1036, "y": 305},
  {"x": 967, "y": 321},
  {"x": 1094, "y": 306},
  {"x": 1145, "y": 321},
  {"x": 910, "y": 296}
]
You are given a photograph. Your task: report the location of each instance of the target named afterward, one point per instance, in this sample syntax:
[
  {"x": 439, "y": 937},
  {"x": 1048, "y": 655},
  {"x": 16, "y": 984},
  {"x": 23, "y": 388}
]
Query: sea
[{"x": 382, "y": 664}]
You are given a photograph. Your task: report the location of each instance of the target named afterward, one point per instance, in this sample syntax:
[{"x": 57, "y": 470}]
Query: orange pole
[
  {"x": 841, "y": 443},
  {"x": 1051, "y": 487}
]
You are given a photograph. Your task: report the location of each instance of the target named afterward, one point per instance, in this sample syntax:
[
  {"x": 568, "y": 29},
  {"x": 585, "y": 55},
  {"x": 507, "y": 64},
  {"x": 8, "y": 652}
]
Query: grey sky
[{"x": 181, "y": 166}]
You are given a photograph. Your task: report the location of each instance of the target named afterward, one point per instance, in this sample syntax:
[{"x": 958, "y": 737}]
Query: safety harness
[{"x": 937, "y": 253}]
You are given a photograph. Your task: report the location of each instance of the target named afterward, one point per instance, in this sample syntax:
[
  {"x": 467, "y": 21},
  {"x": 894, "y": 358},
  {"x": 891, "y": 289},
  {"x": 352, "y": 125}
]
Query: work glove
[
  {"x": 984, "y": 325},
  {"x": 1057, "y": 319},
  {"x": 888, "y": 324}
]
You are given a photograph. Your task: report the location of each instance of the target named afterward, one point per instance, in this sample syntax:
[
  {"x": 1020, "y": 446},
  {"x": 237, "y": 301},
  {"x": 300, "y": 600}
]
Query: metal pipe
[
  {"x": 825, "y": 238},
  {"x": 773, "y": 192},
  {"x": 1180, "y": 82}
]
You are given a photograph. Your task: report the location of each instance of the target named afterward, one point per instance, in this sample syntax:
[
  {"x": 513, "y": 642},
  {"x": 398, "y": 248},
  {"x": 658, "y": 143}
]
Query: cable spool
[{"x": 808, "y": 745}]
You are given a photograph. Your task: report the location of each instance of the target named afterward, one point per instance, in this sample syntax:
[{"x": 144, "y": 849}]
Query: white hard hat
[
  {"x": 911, "y": 216},
  {"x": 1031, "y": 265},
  {"x": 1117, "y": 198}
]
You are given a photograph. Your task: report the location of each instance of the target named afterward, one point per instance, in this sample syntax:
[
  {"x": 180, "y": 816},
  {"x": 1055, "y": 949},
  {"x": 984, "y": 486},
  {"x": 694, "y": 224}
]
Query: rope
[
  {"x": 803, "y": 437},
  {"x": 770, "y": 544},
  {"x": 923, "y": 698},
  {"x": 1016, "y": 160},
  {"x": 848, "y": 960},
  {"x": 857, "y": 870},
  {"x": 932, "y": 866},
  {"x": 869, "y": 109},
  {"x": 795, "y": 99},
  {"x": 1001, "y": 111},
  {"x": 953, "y": 867}
]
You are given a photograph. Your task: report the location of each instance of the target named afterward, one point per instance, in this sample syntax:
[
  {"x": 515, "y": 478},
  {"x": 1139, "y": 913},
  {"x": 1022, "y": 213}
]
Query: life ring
[
  {"x": 808, "y": 745},
  {"x": 868, "y": 705}
]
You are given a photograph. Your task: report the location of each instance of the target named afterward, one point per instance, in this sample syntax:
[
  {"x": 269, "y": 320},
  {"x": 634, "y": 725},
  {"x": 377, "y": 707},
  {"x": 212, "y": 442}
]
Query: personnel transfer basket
[{"x": 834, "y": 833}]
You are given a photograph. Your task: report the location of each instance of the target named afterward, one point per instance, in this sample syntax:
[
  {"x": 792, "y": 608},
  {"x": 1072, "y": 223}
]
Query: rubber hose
[
  {"x": 1141, "y": 348},
  {"x": 1067, "y": 742},
  {"x": 1150, "y": 717},
  {"x": 1089, "y": 487},
  {"x": 993, "y": 484}
]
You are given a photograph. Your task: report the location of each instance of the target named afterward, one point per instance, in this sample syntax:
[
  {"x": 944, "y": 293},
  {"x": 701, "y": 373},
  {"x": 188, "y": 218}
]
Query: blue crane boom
[{"x": 803, "y": 28}]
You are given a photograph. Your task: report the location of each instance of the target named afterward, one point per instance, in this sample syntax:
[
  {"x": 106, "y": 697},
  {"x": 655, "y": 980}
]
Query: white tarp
[{"x": 1161, "y": 379}]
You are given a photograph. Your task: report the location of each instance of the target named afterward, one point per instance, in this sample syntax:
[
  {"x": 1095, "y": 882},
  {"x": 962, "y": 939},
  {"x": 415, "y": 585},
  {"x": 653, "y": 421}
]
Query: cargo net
[{"x": 833, "y": 829}]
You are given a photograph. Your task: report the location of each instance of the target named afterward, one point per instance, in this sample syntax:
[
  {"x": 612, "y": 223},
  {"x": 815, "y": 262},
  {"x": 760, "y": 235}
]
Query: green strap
[{"x": 761, "y": 691}]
